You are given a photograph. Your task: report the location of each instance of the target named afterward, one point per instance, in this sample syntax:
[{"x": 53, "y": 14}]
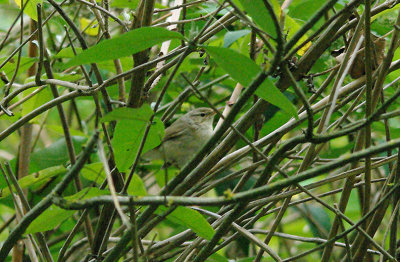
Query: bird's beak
[
  {"x": 220, "y": 109},
  {"x": 213, "y": 113}
]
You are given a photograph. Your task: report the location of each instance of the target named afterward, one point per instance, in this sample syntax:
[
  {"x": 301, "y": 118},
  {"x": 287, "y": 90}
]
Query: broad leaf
[
  {"x": 132, "y": 4},
  {"x": 108, "y": 65},
  {"x": 30, "y": 8},
  {"x": 217, "y": 258},
  {"x": 94, "y": 172},
  {"x": 39, "y": 99},
  {"x": 292, "y": 27},
  {"x": 257, "y": 10},
  {"x": 68, "y": 52},
  {"x": 49, "y": 219},
  {"x": 244, "y": 70},
  {"x": 304, "y": 9},
  {"x": 231, "y": 37},
  {"x": 36, "y": 179},
  {"x": 53, "y": 155},
  {"x": 124, "y": 113},
  {"x": 54, "y": 215},
  {"x": 129, "y": 132},
  {"x": 124, "y": 45},
  {"x": 137, "y": 187},
  {"x": 11, "y": 65},
  {"x": 91, "y": 28},
  {"x": 190, "y": 218}
]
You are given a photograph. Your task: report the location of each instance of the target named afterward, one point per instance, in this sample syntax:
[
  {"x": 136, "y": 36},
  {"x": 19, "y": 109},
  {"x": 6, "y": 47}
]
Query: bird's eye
[{"x": 202, "y": 115}]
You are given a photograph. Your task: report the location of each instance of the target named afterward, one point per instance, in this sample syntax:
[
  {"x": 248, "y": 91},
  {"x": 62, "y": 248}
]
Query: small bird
[{"x": 185, "y": 137}]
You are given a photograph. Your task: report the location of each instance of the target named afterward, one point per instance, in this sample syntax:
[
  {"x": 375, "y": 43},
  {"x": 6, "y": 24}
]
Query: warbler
[{"x": 185, "y": 137}]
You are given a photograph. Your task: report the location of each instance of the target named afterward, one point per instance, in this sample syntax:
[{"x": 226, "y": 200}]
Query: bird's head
[{"x": 202, "y": 115}]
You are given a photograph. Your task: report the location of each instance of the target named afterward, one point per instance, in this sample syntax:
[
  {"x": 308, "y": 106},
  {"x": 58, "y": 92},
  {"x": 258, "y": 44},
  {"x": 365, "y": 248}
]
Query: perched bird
[
  {"x": 185, "y": 137},
  {"x": 358, "y": 67}
]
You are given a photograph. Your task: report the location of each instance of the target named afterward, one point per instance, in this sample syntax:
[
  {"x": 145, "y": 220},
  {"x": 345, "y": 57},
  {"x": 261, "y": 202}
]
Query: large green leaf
[
  {"x": 35, "y": 179},
  {"x": 54, "y": 215},
  {"x": 49, "y": 219},
  {"x": 124, "y": 113},
  {"x": 137, "y": 187},
  {"x": 231, "y": 36},
  {"x": 30, "y": 7},
  {"x": 189, "y": 218},
  {"x": 257, "y": 10},
  {"x": 217, "y": 258},
  {"x": 244, "y": 70},
  {"x": 11, "y": 65},
  {"x": 41, "y": 98},
  {"x": 124, "y": 45},
  {"x": 132, "y": 4},
  {"x": 94, "y": 172},
  {"x": 317, "y": 219},
  {"x": 53, "y": 155},
  {"x": 304, "y": 9},
  {"x": 129, "y": 132},
  {"x": 108, "y": 65}
]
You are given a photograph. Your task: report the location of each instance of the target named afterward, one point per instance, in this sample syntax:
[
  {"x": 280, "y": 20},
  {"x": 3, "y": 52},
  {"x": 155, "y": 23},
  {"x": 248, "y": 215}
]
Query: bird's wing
[{"x": 174, "y": 131}]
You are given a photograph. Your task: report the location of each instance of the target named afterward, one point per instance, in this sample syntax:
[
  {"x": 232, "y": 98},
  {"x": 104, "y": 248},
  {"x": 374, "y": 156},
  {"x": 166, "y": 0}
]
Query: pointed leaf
[
  {"x": 257, "y": 10},
  {"x": 129, "y": 133},
  {"x": 53, "y": 155},
  {"x": 54, "y": 215},
  {"x": 94, "y": 172},
  {"x": 132, "y": 4},
  {"x": 91, "y": 28},
  {"x": 124, "y": 45},
  {"x": 244, "y": 70},
  {"x": 124, "y": 113},
  {"x": 190, "y": 218},
  {"x": 30, "y": 8},
  {"x": 137, "y": 187},
  {"x": 35, "y": 179},
  {"x": 232, "y": 36}
]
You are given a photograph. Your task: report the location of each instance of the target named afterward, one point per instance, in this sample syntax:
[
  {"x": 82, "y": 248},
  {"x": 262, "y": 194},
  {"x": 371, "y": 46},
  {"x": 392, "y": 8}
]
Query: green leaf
[
  {"x": 232, "y": 36},
  {"x": 124, "y": 45},
  {"x": 124, "y": 113},
  {"x": 87, "y": 193},
  {"x": 41, "y": 98},
  {"x": 88, "y": 26},
  {"x": 317, "y": 219},
  {"x": 30, "y": 9},
  {"x": 217, "y": 258},
  {"x": 257, "y": 10},
  {"x": 60, "y": 131},
  {"x": 129, "y": 132},
  {"x": 244, "y": 70},
  {"x": 189, "y": 218},
  {"x": 54, "y": 215},
  {"x": 68, "y": 52},
  {"x": 49, "y": 219},
  {"x": 53, "y": 155},
  {"x": 11, "y": 65},
  {"x": 109, "y": 65},
  {"x": 132, "y": 4},
  {"x": 160, "y": 174},
  {"x": 35, "y": 179},
  {"x": 304, "y": 9},
  {"x": 292, "y": 27},
  {"x": 137, "y": 187},
  {"x": 94, "y": 172}
]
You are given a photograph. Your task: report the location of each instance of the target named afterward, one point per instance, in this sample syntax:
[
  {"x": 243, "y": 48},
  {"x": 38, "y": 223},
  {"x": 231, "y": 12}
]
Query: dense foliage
[{"x": 302, "y": 164}]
